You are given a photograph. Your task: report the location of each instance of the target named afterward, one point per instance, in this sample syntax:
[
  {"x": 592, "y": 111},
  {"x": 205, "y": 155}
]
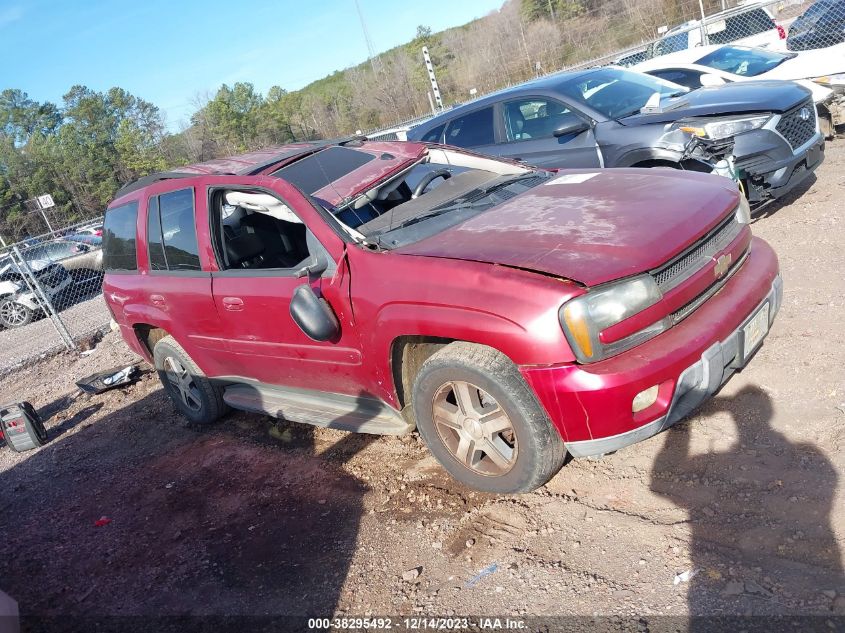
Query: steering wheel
[{"x": 444, "y": 173}]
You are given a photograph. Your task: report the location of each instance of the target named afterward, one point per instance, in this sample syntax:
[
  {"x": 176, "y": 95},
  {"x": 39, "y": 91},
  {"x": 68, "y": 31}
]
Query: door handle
[
  {"x": 157, "y": 300},
  {"x": 233, "y": 304}
]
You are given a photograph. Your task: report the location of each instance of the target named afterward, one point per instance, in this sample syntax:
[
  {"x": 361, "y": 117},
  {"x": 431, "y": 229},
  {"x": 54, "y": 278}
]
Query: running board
[{"x": 359, "y": 414}]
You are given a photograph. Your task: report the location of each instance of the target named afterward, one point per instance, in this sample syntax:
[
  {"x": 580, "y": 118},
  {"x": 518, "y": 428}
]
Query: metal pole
[
  {"x": 41, "y": 297},
  {"x": 704, "y": 40},
  {"x": 44, "y": 215},
  {"x": 434, "y": 88},
  {"x": 431, "y": 102}
]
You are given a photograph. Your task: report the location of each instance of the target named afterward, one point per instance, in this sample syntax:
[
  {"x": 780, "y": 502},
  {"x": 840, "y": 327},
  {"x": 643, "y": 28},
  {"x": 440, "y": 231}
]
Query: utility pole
[{"x": 551, "y": 10}]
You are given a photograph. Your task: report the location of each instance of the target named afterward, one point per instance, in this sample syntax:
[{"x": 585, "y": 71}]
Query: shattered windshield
[{"x": 441, "y": 190}]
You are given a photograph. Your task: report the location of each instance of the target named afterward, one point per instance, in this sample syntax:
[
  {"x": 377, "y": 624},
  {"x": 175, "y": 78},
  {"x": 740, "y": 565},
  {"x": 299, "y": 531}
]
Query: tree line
[{"x": 83, "y": 149}]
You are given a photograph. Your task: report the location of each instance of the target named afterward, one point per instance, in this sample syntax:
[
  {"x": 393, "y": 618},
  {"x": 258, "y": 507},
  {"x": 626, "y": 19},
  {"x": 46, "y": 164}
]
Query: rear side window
[
  {"x": 119, "y": 238},
  {"x": 154, "y": 241},
  {"x": 743, "y": 25},
  {"x": 472, "y": 130},
  {"x": 172, "y": 232},
  {"x": 434, "y": 135}
]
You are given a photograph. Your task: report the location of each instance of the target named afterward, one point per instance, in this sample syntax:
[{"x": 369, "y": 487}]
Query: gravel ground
[
  {"x": 254, "y": 517},
  {"x": 39, "y": 339}
]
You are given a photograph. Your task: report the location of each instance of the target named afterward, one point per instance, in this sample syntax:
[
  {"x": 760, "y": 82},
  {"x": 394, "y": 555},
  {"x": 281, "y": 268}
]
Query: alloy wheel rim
[
  {"x": 12, "y": 313},
  {"x": 182, "y": 381},
  {"x": 474, "y": 428}
]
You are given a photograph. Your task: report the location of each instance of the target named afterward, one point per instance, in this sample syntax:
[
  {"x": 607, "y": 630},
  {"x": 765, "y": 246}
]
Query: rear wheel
[
  {"x": 198, "y": 399},
  {"x": 482, "y": 422},
  {"x": 14, "y": 314}
]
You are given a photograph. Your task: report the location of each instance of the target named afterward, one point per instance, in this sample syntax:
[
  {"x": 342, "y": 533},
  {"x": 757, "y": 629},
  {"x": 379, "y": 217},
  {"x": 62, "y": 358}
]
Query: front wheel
[
  {"x": 198, "y": 399},
  {"x": 14, "y": 314},
  {"x": 482, "y": 422}
]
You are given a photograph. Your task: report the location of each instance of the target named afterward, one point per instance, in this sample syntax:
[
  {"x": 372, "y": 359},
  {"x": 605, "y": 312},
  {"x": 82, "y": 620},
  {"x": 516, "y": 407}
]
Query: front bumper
[
  {"x": 591, "y": 405},
  {"x": 697, "y": 383},
  {"x": 768, "y": 165},
  {"x": 28, "y": 298}
]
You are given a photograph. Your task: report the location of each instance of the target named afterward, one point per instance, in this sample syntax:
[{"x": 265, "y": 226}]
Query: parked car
[
  {"x": 511, "y": 314},
  {"x": 18, "y": 304},
  {"x": 818, "y": 71},
  {"x": 91, "y": 229},
  {"x": 755, "y": 26},
  {"x": 85, "y": 238},
  {"x": 611, "y": 117},
  {"x": 629, "y": 59},
  {"x": 84, "y": 261},
  {"x": 820, "y": 26}
]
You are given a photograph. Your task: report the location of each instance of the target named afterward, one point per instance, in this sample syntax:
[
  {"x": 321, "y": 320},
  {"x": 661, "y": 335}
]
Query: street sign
[{"x": 46, "y": 201}]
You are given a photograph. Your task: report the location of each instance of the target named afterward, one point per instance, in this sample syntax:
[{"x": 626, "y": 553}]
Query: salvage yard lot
[{"x": 253, "y": 517}]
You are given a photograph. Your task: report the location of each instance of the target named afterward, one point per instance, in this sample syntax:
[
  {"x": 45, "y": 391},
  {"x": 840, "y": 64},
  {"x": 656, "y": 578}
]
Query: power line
[{"x": 370, "y": 49}]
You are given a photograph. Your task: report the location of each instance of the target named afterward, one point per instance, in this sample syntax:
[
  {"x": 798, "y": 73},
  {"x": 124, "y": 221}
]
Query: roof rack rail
[{"x": 148, "y": 180}]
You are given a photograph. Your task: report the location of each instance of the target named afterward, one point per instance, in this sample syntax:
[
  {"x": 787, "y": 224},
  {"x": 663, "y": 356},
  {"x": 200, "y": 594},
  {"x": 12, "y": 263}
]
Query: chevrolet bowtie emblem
[{"x": 722, "y": 265}]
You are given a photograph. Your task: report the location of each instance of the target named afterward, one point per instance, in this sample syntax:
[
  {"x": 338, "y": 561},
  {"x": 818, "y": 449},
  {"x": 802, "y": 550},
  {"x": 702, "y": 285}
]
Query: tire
[
  {"x": 198, "y": 399},
  {"x": 479, "y": 453},
  {"x": 14, "y": 314}
]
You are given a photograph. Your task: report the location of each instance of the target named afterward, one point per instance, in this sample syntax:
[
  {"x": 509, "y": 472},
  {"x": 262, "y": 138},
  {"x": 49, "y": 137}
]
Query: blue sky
[{"x": 168, "y": 52}]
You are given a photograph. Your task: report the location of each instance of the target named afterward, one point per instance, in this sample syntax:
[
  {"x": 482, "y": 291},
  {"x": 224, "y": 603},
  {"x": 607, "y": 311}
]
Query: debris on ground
[
  {"x": 111, "y": 378},
  {"x": 102, "y": 521},
  {"x": 490, "y": 569},
  {"x": 411, "y": 574},
  {"x": 685, "y": 576}
]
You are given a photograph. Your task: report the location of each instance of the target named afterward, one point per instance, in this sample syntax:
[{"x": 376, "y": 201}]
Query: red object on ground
[{"x": 102, "y": 521}]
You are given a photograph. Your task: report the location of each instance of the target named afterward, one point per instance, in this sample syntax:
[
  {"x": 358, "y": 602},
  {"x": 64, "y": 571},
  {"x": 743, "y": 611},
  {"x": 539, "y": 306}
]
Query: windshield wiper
[
  {"x": 498, "y": 183},
  {"x": 441, "y": 211}
]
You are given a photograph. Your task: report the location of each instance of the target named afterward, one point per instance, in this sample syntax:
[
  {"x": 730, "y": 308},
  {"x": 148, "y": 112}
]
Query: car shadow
[
  {"x": 759, "y": 514},
  {"x": 228, "y": 521},
  {"x": 769, "y": 209}
]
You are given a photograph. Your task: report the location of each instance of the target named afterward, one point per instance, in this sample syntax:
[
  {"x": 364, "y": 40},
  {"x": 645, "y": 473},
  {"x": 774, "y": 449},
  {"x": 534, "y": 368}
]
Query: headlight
[
  {"x": 743, "y": 211},
  {"x": 829, "y": 81},
  {"x": 716, "y": 129},
  {"x": 585, "y": 317}
]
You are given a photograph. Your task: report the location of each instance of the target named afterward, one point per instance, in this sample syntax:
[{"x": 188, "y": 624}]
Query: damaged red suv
[{"x": 511, "y": 315}]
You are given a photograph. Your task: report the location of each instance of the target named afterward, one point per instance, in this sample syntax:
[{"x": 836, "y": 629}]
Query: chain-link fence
[
  {"x": 51, "y": 293},
  {"x": 626, "y": 32}
]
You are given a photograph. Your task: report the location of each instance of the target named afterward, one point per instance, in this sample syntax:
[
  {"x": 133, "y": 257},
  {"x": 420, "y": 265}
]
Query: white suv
[{"x": 752, "y": 27}]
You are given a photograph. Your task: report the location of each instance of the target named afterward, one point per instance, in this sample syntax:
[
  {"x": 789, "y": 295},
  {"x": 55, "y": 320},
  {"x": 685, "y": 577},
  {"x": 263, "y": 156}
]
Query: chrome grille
[
  {"x": 684, "y": 311},
  {"x": 794, "y": 128},
  {"x": 697, "y": 256}
]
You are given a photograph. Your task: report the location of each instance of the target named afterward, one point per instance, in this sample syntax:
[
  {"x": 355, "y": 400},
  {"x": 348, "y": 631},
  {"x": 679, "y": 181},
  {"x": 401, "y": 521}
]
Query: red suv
[{"x": 511, "y": 315}]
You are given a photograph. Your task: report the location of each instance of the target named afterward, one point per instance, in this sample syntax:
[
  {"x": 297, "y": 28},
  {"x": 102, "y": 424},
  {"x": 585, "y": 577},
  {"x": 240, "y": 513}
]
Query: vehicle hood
[
  {"x": 591, "y": 226},
  {"x": 732, "y": 98},
  {"x": 813, "y": 63}
]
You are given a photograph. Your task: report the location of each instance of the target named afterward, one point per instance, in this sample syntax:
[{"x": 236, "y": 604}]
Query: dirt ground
[{"x": 256, "y": 518}]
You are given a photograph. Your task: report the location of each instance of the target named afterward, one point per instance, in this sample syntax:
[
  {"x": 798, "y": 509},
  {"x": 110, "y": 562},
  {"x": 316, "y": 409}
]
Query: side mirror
[
  {"x": 313, "y": 315},
  {"x": 711, "y": 81},
  {"x": 572, "y": 127}
]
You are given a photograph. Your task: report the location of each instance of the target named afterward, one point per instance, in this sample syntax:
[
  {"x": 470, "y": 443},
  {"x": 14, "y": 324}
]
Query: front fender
[
  {"x": 646, "y": 154},
  {"x": 397, "y": 320}
]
